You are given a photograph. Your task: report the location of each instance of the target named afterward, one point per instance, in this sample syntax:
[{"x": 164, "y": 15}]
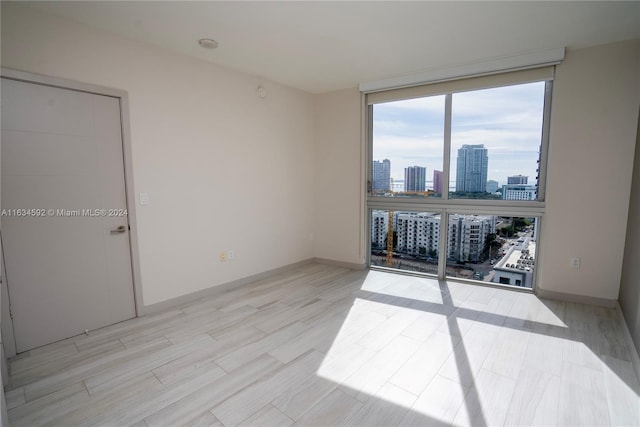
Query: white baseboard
[
  {"x": 602, "y": 302},
  {"x": 334, "y": 263},
  {"x": 216, "y": 290}
]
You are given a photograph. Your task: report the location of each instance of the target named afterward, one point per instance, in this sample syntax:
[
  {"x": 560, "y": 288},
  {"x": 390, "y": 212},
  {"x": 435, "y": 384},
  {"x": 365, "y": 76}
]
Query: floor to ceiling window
[{"x": 456, "y": 176}]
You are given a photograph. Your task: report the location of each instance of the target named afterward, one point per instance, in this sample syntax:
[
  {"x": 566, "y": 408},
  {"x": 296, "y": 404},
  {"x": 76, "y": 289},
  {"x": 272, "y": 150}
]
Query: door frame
[{"x": 8, "y": 337}]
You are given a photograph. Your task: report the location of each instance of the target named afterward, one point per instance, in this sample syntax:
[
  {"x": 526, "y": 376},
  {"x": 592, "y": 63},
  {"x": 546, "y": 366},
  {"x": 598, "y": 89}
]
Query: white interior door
[{"x": 64, "y": 223}]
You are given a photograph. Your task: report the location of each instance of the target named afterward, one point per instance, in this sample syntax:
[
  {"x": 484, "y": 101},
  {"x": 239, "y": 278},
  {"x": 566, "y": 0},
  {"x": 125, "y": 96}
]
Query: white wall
[
  {"x": 630, "y": 283},
  {"x": 339, "y": 172},
  {"x": 592, "y": 140},
  {"x": 589, "y": 178},
  {"x": 224, "y": 168}
]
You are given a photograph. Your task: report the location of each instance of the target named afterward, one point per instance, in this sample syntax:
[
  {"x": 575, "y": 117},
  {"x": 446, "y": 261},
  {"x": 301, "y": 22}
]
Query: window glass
[
  {"x": 492, "y": 138},
  {"x": 408, "y": 146},
  {"x": 496, "y": 137},
  {"x": 492, "y": 248},
  {"x": 405, "y": 240}
]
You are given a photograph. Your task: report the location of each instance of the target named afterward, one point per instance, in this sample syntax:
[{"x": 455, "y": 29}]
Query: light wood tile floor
[{"x": 329, "y": 346}]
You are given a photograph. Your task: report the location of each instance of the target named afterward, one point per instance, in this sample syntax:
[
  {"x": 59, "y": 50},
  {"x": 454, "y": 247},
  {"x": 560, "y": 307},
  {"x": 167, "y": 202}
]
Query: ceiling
[{"x": 324, "y": 46}]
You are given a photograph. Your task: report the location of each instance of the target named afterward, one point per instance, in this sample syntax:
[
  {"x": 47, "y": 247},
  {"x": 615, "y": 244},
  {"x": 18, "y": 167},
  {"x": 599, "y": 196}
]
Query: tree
[
  {"x": 520, "y": 224},
  {"x": 422, "y": 250},
  {"x": 488, "y": 240},
  {"x": 506, "y": 232},
  {"x": 492, "y": 242},
  {"x": 473, "y": 195},
  {"x": 494, "y": 245}
]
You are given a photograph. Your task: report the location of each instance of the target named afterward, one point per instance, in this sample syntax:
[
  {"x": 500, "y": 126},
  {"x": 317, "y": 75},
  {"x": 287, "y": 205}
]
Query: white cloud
[{"x": 507, "y": 120}]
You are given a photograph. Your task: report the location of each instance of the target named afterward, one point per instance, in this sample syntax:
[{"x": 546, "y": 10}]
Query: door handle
[{"x": 120, "y": 229}]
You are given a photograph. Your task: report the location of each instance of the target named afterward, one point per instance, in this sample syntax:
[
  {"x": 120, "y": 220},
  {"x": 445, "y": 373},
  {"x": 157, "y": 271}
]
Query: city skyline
[
  {"x": 415, "y": 181},
  {"x": 507, "y": 120},
  {"x": 382, "y": 179},
  {"x": 472, "y": 160}
]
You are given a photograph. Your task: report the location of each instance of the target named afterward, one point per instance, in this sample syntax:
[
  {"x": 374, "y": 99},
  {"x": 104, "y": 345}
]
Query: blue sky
[{"x": 507, "y": 120}]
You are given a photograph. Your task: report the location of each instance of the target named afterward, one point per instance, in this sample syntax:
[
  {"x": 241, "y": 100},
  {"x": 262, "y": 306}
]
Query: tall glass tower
[
  {"x": 381, "y": 175},
  {"x": 471, "y": 171},
  {"x": 415, "y": 178}
]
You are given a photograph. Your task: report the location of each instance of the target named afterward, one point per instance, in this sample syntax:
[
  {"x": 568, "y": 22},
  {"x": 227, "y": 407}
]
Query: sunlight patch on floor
[{"x": 441, "y": 349}]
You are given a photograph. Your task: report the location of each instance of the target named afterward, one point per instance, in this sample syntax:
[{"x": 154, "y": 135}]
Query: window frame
[{"x": 444, "y": 205}]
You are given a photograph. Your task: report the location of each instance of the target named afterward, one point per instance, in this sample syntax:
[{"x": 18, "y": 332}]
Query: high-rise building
[
  {"x": 517, "y": 179},
  {"x": 492, "y": 186},
  {"x": 419, "y": 234},
  {"x": 471, "y": 171},
  {"x": 519, "y": 192},
  {"x": 467, "y": 235},
  {"x": 415, "y": 178},
  {"x": 437, "y": 182},
  {"x": 379, "y": 228},
  {"x": 381, "y": 176}
]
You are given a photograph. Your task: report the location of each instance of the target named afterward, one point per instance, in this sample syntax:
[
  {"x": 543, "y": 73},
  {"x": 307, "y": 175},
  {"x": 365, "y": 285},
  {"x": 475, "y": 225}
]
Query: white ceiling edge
[{"x": 511, "y": 63}]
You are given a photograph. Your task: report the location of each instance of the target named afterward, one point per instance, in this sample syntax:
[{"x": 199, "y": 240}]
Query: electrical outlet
[
  {"x": 230, "y": 254},
  {"x": 223, "y": 256},
  {"x": 575, "y": 263}
]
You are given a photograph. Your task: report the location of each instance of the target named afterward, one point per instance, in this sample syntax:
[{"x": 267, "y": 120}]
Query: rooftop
[{"x": 525, "y": 247}]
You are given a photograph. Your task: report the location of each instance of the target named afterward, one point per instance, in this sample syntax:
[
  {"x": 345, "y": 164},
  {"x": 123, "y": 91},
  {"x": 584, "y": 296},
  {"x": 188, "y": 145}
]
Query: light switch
[{"x": 144, "y": 199}]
